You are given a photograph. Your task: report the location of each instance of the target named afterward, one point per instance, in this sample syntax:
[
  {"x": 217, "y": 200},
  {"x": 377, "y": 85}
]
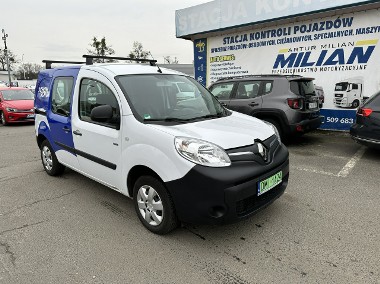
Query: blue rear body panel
[{"x": 58, "y": 130}]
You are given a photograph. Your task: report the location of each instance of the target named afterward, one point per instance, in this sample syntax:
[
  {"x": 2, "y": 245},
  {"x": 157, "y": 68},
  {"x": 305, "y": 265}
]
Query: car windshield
[
  {"x": 17, "y": 95},
  {"x": 341, "y": 86},
  {"x": 157, "y": 97}
]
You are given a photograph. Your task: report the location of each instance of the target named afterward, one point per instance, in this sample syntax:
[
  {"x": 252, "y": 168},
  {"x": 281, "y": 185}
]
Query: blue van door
[{"x": 59, "y": 117}]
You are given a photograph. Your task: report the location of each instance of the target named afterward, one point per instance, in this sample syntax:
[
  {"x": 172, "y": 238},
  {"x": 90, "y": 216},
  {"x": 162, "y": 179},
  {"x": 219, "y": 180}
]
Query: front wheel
[
  {"x": 3, "y": 119},
  {"x": 154, "y": 205},
  {"x": 355, "y": 104},
  {"x": 50, "y": 161}
]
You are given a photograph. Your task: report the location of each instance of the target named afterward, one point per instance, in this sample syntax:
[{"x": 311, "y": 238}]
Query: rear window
[
  {"x": 374, "y": 101},
  {"x": 302, "y": 88}
]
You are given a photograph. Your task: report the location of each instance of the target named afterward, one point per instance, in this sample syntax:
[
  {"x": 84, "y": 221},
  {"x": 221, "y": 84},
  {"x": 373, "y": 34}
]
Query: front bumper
[
  {"x": 225, "y": 195},
  {"x": 14, "y": 117}
]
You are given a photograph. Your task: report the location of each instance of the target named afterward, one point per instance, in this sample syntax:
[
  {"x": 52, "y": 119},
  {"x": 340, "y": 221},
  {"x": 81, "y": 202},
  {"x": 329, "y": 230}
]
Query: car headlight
[
  {"x": 11, "y": 109},
  {"x": 201, "y": 152},
  {"x": 275, "y": 130}
]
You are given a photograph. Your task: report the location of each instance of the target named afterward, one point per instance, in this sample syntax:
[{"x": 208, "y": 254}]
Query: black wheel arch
[{"x": 135, "y": 173}]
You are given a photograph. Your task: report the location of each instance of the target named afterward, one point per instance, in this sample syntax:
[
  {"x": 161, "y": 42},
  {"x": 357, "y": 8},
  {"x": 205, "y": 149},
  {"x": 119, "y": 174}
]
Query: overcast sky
[{"x": 62, "y": 30}]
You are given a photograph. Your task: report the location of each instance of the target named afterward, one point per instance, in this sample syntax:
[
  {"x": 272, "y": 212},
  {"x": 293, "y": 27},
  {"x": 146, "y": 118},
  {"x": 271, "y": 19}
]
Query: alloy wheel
[
  {"x": 150, "y": 205},
  {"x": 47, "y": 158}
]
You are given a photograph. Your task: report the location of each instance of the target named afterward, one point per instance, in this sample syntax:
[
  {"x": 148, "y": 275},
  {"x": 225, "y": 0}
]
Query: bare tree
[
  {"x": 169, "y": 60},
  {"x": 100, "y": 48},
  {"x": 138, "y": 51},
  {"x": 28, "y": 71},
  {"x": 3, "y": 60}
]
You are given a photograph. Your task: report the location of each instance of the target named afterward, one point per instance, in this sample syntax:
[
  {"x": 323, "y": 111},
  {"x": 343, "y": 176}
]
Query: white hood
[{"x": 233, "y": 131}]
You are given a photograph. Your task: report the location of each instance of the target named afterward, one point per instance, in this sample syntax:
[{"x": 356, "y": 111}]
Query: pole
[{"x": 4, "y": 38}]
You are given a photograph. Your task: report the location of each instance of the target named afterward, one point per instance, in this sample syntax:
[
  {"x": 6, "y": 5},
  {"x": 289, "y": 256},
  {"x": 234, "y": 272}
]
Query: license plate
[
  {"x": 269, "y": 183},
  {"x": 313, "y": 105},
  {"x": 30, "y": 116}
]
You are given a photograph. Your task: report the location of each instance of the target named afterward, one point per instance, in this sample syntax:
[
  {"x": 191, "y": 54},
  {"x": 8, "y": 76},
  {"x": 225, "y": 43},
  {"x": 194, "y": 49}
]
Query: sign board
[
  {"x": 222, "y": 14},
  {"x": 341, "y": 53}
]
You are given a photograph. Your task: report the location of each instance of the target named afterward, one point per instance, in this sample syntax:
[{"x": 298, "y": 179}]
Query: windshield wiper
[{"x": 166, "y": 119}]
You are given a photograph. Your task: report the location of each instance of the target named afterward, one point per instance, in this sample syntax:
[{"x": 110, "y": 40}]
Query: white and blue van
[{"x": 181, "y": 158}]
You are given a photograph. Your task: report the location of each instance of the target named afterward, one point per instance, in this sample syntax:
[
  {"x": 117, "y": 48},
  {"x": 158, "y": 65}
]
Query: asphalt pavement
[{"x": 70, "y": 229}]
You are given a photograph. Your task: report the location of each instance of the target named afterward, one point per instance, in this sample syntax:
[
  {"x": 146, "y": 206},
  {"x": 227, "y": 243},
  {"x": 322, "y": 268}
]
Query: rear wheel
[
  {"x": 278, "y": 127},
  {"x": 50, "y": 161},
  {"x": 154, "y": 205},
  {"x": 3, "y": 119}
]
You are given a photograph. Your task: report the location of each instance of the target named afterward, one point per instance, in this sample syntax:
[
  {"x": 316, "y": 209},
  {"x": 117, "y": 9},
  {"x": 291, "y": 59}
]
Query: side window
[
  {"x": 355, "y": 86},
  {"x": 222, "y": 91},
  {"x": 267, "y": 87},
  {"x": 294, "y": 87},
  {"x": 248, "y": 90},
  {"x": 93, "y": 94},
  {"x": 61, "y": 95}
]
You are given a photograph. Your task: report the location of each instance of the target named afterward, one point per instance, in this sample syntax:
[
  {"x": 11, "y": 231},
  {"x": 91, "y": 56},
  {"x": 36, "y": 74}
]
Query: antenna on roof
[
  {"x": 90, "y": 59},
  {"x": 49, "y": 62},
  {"x": 159, "y": 69}
]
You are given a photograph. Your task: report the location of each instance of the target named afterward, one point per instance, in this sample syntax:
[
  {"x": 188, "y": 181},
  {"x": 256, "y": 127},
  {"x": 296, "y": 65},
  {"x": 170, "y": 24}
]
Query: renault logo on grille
[{"x": 262, "y": 151}]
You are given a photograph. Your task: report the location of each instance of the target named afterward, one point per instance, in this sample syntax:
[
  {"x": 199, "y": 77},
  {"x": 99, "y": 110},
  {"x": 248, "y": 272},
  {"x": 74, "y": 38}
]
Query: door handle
[
  {"x": 66, "y": 129},
  {"x": 253, "y": 104},
  {"x": 77, "y": 132}
]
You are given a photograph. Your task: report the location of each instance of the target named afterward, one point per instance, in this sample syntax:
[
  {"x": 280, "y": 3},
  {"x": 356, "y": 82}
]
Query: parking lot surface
[{"x": 70, "y": 229}]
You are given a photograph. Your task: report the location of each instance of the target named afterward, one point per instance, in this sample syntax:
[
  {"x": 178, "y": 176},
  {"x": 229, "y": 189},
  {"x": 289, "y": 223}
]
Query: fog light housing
[{"x": 217, "y": 211}]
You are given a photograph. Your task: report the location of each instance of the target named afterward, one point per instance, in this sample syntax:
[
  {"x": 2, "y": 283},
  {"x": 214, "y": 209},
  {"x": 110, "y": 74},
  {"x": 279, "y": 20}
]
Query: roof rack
[
  {"x": 49, "y": 62},
  {"x": 90, "y": 61}
]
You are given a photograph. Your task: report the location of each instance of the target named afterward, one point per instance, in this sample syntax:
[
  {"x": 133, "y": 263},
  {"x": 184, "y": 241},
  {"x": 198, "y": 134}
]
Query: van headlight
[
  {"x": 275, "y": 130},
  {"x": 201, "y": 152}
]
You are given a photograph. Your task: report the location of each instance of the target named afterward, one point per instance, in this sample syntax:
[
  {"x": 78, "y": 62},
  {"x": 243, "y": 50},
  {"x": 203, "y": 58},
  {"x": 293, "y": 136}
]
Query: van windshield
[
  {"x": 341, "y": 86},
  {"x": 169, "y": 98}
]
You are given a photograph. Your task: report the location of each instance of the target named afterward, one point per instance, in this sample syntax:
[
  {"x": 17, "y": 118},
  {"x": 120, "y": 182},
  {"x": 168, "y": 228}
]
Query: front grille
[
  {"x": 339, "y": 95},
  {"x": 251, "y": 203},
  {"x": 338, "y": 101}
]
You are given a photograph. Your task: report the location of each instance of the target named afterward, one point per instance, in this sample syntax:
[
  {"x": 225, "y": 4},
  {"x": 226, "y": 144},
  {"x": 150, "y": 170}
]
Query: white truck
[{"x": 349, "y": 92}]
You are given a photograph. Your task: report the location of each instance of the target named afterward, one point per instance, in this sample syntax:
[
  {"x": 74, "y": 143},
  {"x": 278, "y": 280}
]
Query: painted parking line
[
  {"x": 352, "y": 162},
  {"x": 344, "y": 172}
]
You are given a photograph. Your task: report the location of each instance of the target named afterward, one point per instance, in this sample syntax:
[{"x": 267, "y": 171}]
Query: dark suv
[{"x": 288, "y": 102}]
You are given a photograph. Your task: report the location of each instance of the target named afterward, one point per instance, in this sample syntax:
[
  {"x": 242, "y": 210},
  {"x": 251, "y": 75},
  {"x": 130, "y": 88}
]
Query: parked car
[
  {"x": 366, "y": 129},
  {"x": 321, "y": 95},
  {"x": 16, "y": 105},
  {"x": 290, "y": 103},
  {"x": 126, "y": 126}
]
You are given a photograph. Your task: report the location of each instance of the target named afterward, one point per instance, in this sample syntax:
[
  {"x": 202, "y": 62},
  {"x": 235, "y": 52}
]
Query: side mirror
[{"x": 101, "y": 113}]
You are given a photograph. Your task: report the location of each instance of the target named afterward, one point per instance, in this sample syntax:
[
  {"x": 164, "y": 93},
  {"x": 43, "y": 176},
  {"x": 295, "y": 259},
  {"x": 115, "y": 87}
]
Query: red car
[{"x": 16, "y": 105}]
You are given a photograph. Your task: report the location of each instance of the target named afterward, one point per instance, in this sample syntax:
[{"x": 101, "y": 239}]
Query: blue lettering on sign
[
  {"x": 200, "y": 60},
  {"x": 359, "y": 55}
]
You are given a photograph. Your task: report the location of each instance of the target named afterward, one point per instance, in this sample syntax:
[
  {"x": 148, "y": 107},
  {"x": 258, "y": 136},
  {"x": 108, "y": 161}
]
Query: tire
[
  {"x": 154, "y": 205},
  {"x": 276, "y": 124},
  {"x": 3, "y": 119},
  {"x": 49, "y": 160},
  {"x": 355, "y": 104}
]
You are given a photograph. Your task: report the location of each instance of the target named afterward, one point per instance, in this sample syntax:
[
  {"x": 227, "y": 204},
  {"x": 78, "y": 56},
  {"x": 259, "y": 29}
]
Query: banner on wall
[{"x": 341, "y": 53}]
